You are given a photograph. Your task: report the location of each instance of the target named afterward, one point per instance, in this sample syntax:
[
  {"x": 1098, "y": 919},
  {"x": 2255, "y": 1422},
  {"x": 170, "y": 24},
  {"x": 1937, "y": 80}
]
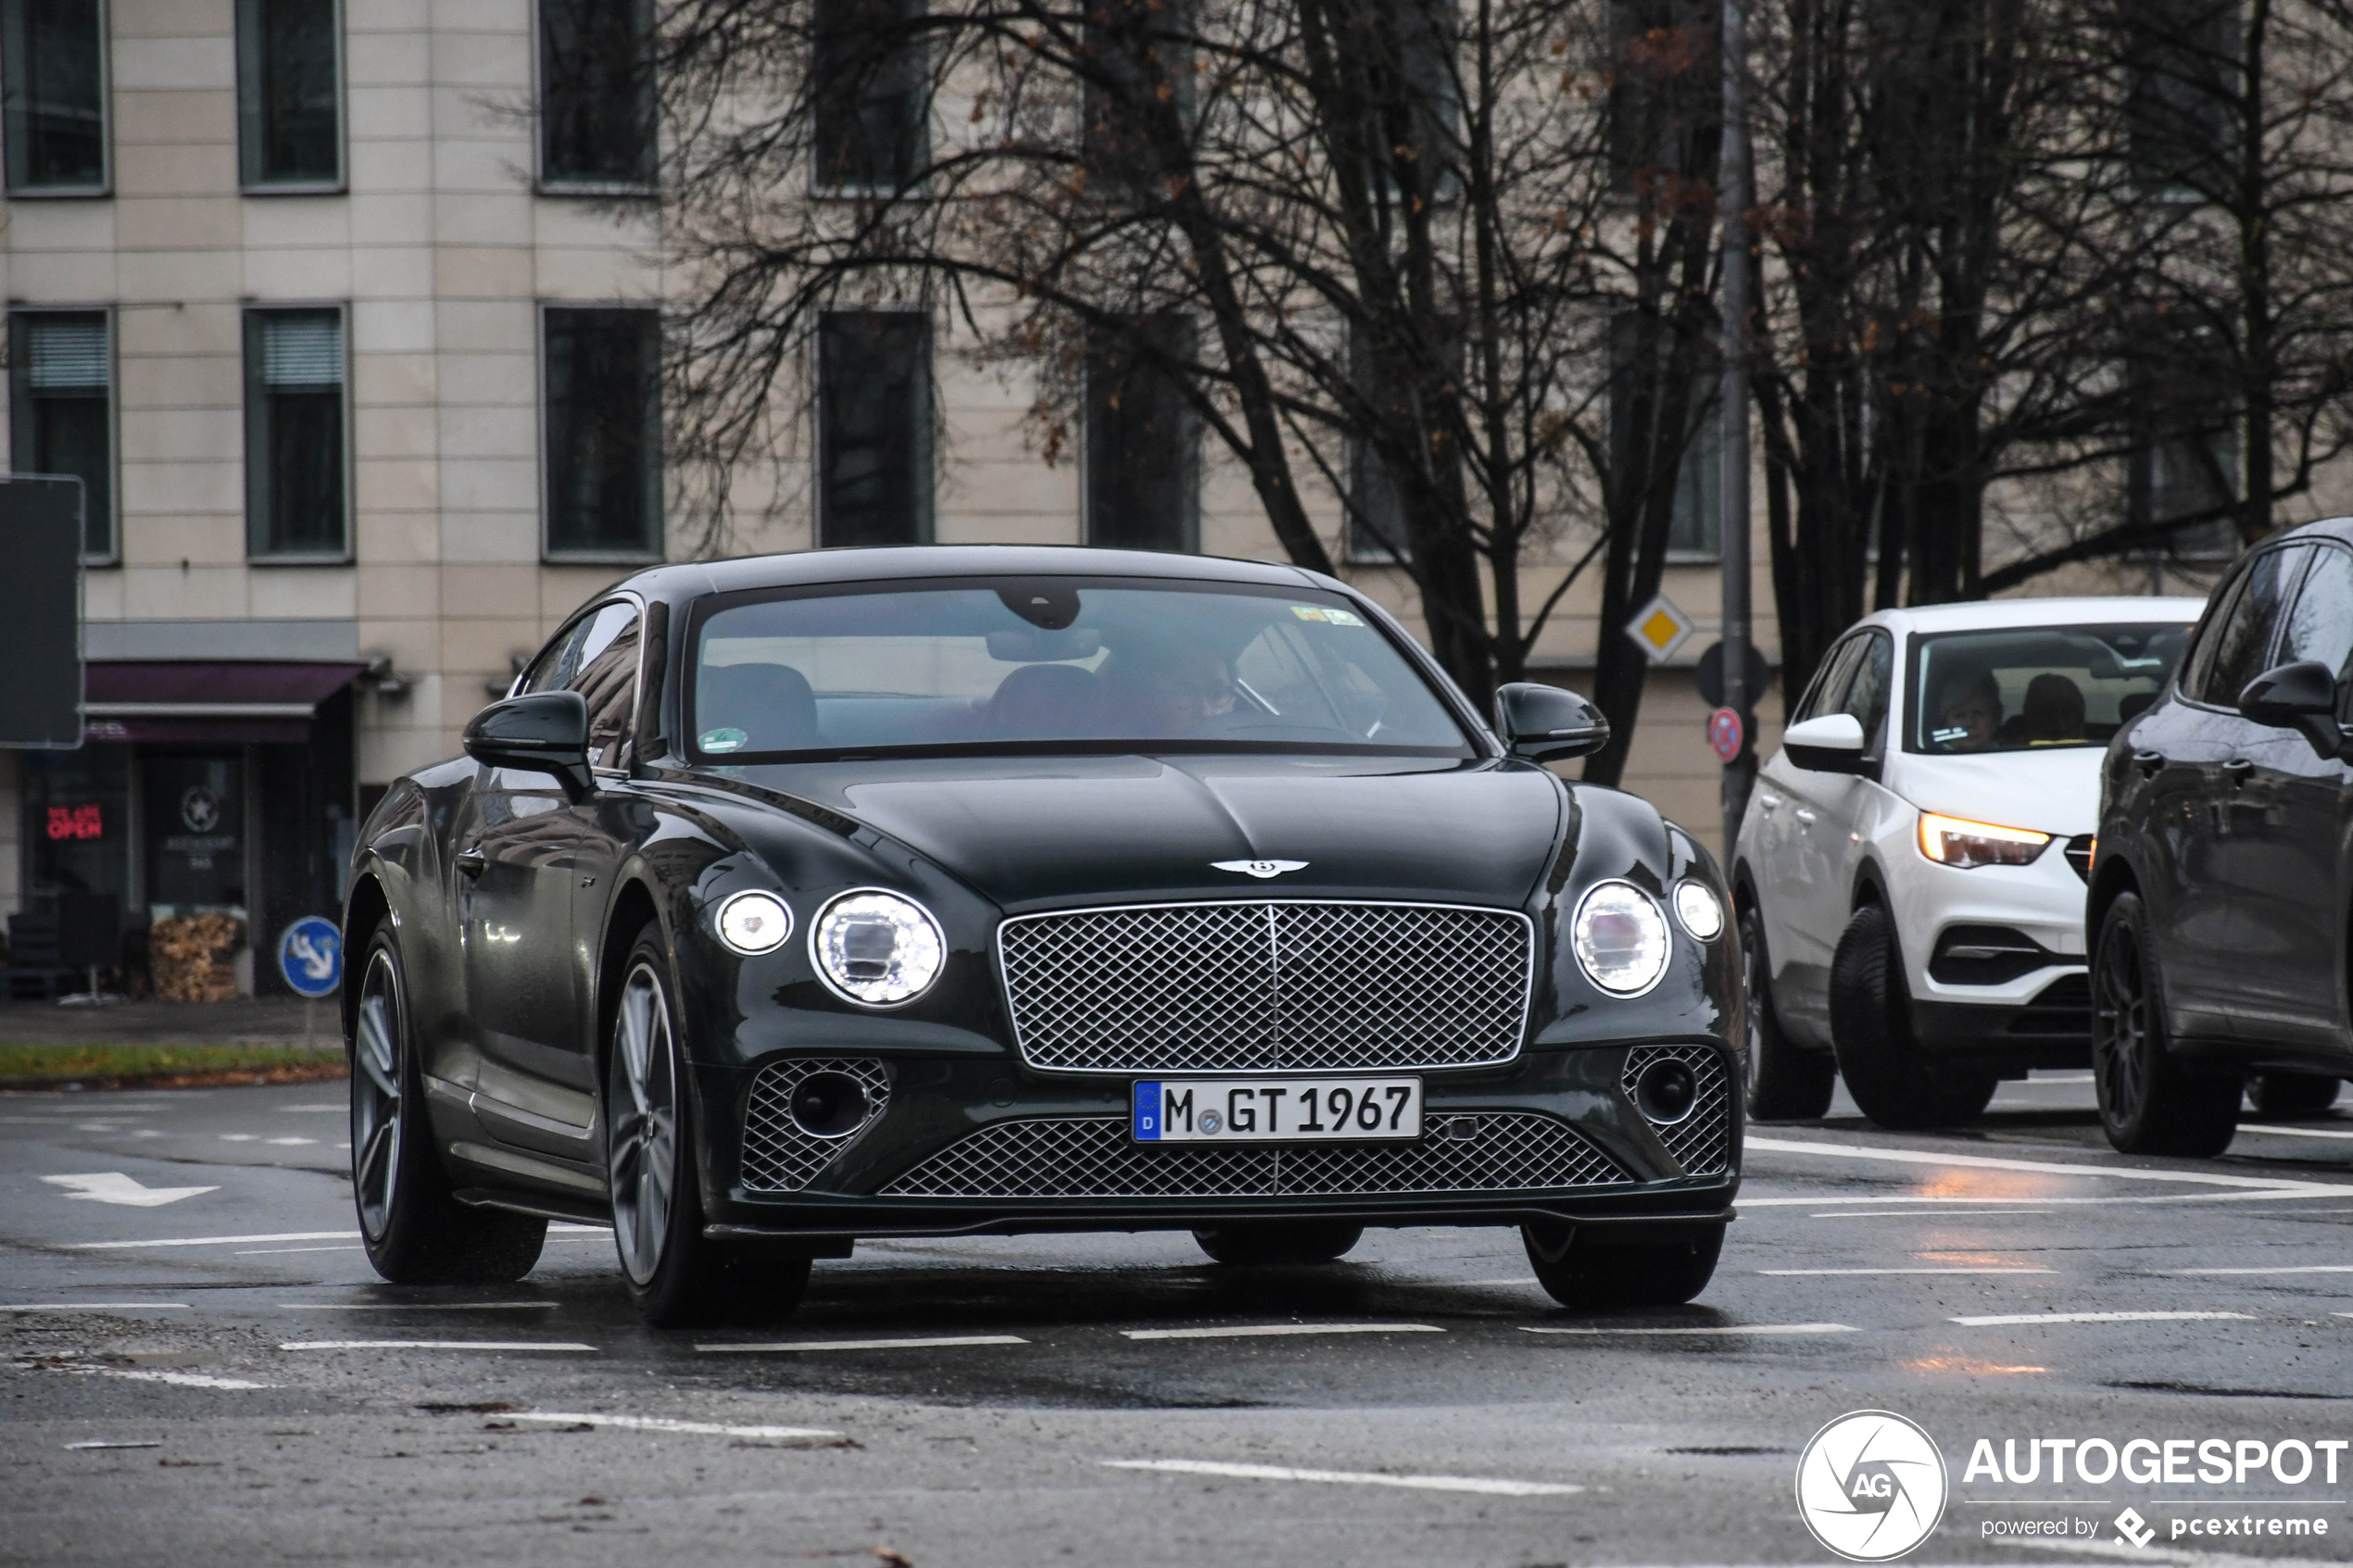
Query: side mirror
[
  {"x": 1832, "y": 743},
  {"x": 541, "y": 732},
  {"x": 2300, "y": 697},
  {"x": 1542, "y": 723}
]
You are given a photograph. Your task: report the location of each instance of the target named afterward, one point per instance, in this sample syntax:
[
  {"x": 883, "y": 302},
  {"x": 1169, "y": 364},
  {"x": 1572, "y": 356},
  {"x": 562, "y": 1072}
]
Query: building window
[
  {"x": 1665, "y": 94},
  {"x": 604, "y": 431},
  {"x": 1140, "y": 53},
  {"x": 2181, "y": 59},
  {"x": 61, "y": 410},
  {"x": 289, "y": 94},
  {"x": 597, "y": 92},
  {"x": 874, "y": 421},
  {"x": 2185, "y": 459},
  {"x": 1143, "y": 484},
  {"x": 871, "y": 99},
  {"x": 1374, "y": 531},
  {"x": 1695, "y": 530},
  {"x": 294, "y": 490},
  {"x": 54, "y": 73}
]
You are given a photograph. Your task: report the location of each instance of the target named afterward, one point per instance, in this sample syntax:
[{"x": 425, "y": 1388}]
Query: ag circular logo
[{"x": 1870, "y": 1486}]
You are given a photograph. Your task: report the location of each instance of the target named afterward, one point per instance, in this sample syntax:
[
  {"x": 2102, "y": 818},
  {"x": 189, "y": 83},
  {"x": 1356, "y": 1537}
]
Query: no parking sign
[
  {"x": 1724, "y": 734},
  {"x": 310, "y": 956}
]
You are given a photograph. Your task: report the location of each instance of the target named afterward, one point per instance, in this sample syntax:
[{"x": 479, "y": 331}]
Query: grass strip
[{"x": 152, "y": 1064}]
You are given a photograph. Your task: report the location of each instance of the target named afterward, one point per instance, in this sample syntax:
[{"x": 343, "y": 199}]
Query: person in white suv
[{"x": 1910, "y": 875}]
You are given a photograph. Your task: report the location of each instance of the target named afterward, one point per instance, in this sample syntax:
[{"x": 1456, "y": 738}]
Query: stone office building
[{"x": 343, "y": 310}]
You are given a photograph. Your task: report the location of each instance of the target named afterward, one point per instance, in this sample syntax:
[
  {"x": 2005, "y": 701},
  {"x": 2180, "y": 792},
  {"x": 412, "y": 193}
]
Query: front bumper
[
  {"x": 965, "y": 1145},
  {"x": 2051, "y": 1028}
]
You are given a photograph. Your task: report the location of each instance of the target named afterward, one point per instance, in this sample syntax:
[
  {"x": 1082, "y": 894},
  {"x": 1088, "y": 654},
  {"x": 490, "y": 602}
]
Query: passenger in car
[
  {"x": 1970, "y": 714},
  {"x": 1175, "y": 692},
  {"x": 1046, "y": 702},
  {"x": 756, "y": 708},
  {"x": 2053, "y": 710}
]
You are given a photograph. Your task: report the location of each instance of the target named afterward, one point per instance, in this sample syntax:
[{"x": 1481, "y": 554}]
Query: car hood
[
  {"x": 2055, "y": 791},
  {"x": 1038, "y": 832}
]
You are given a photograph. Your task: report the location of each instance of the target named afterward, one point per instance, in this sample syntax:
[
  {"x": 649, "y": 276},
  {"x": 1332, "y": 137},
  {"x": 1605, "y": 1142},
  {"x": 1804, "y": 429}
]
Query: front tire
[
  {"x": 676, "y": 1276},
  {"x": 1590, "y": 1274},
  {"x": 1292, "y": 1242},
  {"x": 2286, "y": 1096},
  {"x": 415, "y": 1230},
  {"x": 2148, "y": 1104},
  {"x": 1785, "y": 1082},
  {"x": 1878, "y": 1054}
]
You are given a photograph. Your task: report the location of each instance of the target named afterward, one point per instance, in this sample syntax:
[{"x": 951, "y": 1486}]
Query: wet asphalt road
[{"x": 1444, "y": 1412}]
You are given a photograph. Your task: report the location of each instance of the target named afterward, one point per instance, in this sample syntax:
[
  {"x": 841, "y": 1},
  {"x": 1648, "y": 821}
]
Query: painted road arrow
[{"x": 113, "y": 1186}]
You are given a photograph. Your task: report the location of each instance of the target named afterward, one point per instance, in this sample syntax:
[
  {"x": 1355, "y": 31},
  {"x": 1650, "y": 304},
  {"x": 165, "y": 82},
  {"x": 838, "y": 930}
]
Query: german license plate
[{"x": 1276, "y": 1110}]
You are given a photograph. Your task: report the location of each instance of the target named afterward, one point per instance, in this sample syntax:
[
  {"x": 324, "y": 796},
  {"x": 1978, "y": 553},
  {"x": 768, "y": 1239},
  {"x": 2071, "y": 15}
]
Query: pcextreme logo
[{"x": 1870, "y": 1486}]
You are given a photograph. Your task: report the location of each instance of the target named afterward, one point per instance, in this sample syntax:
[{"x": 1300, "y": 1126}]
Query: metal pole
[{"x": 1732, "y": 536}]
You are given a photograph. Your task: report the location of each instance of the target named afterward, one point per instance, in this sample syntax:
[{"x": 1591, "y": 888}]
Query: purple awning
[{"x": 194, "y": 700}]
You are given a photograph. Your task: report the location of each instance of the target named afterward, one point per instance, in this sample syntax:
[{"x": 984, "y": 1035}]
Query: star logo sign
[{"x": 1871, "y": 1486}]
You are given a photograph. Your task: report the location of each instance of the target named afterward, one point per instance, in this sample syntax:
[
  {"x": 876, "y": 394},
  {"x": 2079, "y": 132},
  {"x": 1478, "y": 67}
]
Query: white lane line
[
  {"x": 2284, "y": 1269},
  {"x": 2037, "y": 1167},
  {"x": 431, "y": 1345},
  {"x": 2295, "y": 1132},
  {"x": 1255, "y": 1331},
  {"x": 1708, "y": 1328},
  {"x": 113, "y": 1186},
  {"x": 864, "y": 1344},
  {"x": 2005, "y": 1320},
  {"x": 266, "y": 1251},
  {"x": 565, "y": 1227},
  {"x": 1514, "y": 1279},
  {"x": 102, "y": 1443},
  {"x": 295, "y": 1110},
  {"x": 1916, "y": 1214},
  {"x": 241, "y": 1137},
  {"x": 177, "y": 1379},
  {"x": 288, "y": 1143},
  {"x": 1482, "y": 1484},
  {"x": 95, "y": 1307},
  {"x": 2000, "y": 1270},
  {"x": 2159, "y": 1554},
  {"x": 657, "y": 1424},
  {"x": 217, "y": 1240},
  {"x": 416, "y": 1306}
]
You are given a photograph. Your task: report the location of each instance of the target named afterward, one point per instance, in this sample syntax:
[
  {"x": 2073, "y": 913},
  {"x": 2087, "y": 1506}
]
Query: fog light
[
  {"x": 1666, "y": 1092},
  {"x": 829, "y": 1105}
]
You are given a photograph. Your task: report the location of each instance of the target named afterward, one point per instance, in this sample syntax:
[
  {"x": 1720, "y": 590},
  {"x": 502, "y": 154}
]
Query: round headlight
[
  {"x": 1621, "y": 938},
  {"x": 879, "y": 947},
  {"x": 1700, "y": 910},
  {"x": 754, "y": 923}
]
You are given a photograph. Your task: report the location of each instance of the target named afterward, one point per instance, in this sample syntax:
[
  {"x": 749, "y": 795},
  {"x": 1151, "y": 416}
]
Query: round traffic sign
[
  {"x": 310, "y": 956},
  {"x": 1724, "y": 735}
]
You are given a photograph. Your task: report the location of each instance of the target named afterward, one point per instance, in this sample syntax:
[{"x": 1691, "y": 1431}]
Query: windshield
[
  {"x": 1056, "y": 664},
  {"x": 2030, "y": 689}
]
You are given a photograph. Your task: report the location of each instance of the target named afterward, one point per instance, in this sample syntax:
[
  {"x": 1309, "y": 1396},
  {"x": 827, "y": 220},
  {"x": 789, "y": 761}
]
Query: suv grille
[
  {"x": 1265, "y": 987},
  {"x": 1701, "y": 1141},
  {"x": 778, "y": 1155},
  {"x": 1093, "y": 1157}
]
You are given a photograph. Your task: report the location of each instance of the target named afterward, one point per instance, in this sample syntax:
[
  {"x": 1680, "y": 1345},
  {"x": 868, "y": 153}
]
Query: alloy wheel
[
  {"x": 1752, "y": 1055},
  {"x": 376, "y": 1100},
  {"x": 2120, "y": 1025},
  {"x": 644, "y": 1108}
]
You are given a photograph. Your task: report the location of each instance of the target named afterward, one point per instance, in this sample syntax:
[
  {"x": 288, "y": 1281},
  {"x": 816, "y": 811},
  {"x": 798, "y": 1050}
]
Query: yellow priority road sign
[{"x": 1659, "y": 628}]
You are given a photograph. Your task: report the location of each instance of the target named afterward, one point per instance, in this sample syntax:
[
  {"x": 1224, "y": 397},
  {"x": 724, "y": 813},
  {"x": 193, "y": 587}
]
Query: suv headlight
[
  {"x": 1621, "y": 938},
  {"x": 1956, "y": 841},
  {"x": 878, "y": 947},
  {"x": 753, "y": 923}
]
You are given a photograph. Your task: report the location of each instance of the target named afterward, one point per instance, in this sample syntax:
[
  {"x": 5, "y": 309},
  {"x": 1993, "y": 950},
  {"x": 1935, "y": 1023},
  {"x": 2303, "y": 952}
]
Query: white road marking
[
  {"x": 1515, "y": 1279},
  {"x": 217, "y": 1240},
  {"x": 864, "y": 1344},
  {"x": 1482, "y": 1484},
  {"x": 1256, "y": 1331},
  {"x": 102, "y": 1443},
  {"x": 1916, "y": 1214},
  {"x": 113, "y": 1186},
  {"x": 177, "y": 1379},
  {"x": 1707, "y": 1328},
  {"x": 2000, "y": 1270},
  {"x": 657, "y": 1424},
  {"x": 415, "y": 1306},
  {"x": 295, "y": 1110},
  {"x": 2004, "y": 1320},
  {"x": 96, "y": 1307},
  {"x": 241, "y": 1137},
  {"x": 565, "y": 1227},
  {"x": 2037, "y": 1167},
  {"x": 268, "y": 1251},
  {"x": 2295, "y": 1132},
  {"x": 2159, "y": 1554},
  {"x": 2287, "y": 1268},
  {"x": 289, "y": 1143},
  {"x": 431, "y": 1345}
]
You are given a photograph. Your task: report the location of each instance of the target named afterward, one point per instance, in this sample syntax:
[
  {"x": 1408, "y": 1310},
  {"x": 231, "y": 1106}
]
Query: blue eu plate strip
[{"x": 1148, "y": 1112}]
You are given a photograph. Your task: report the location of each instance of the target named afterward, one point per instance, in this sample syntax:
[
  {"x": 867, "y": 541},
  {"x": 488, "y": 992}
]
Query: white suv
[{"x": 1909, "y": 876}]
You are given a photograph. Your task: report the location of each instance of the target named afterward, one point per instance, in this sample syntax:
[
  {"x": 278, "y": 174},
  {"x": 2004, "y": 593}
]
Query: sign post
[{"x": 1732, "y": 535}]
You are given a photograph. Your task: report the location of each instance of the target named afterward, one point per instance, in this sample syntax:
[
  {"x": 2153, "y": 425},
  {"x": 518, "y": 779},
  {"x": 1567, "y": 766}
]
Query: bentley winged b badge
[{"x": 1259, "y": 869}]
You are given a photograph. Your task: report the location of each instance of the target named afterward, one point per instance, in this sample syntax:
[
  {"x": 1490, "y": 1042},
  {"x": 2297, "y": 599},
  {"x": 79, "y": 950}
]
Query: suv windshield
[
  {"x": 2033, "y": 687},
  {"x": 1055, "y": 664}
]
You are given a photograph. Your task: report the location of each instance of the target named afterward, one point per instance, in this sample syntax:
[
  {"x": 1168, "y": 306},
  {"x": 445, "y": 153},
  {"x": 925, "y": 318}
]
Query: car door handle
[
  {"x": 1768, "y": 802},
  {"x": 2238, "y": 768},
  {"x": 2148, "y": 762},
  {"x": 472, "y": 861},
  {"x": 1804, "y": 814}
]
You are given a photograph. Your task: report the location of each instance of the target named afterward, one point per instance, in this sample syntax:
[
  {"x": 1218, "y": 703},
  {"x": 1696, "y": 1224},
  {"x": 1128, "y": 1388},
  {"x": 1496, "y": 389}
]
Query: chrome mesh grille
[
  {"x": 779, "y": 1156},
  {"x": 1267, "y": 986},
  {"x": 1701, "y": 1142},
  {"x": 1094, "y": 1157}
]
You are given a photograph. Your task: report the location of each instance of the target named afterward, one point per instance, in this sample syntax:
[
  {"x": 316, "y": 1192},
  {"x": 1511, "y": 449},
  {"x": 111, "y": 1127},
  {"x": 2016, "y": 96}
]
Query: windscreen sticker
[
  {"x": 1329, "y": 616},
  {"x": 725, "y": 739}
]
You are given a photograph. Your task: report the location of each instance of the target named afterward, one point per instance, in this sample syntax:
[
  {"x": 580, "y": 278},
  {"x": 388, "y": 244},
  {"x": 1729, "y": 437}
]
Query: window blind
[
  {"x": 304, "y": 350},
  {"x": 69, "y": 353}
]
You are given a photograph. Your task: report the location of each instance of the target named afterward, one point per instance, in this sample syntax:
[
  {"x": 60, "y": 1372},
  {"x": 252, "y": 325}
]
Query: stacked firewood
[{"x": 194, "y": 957}]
